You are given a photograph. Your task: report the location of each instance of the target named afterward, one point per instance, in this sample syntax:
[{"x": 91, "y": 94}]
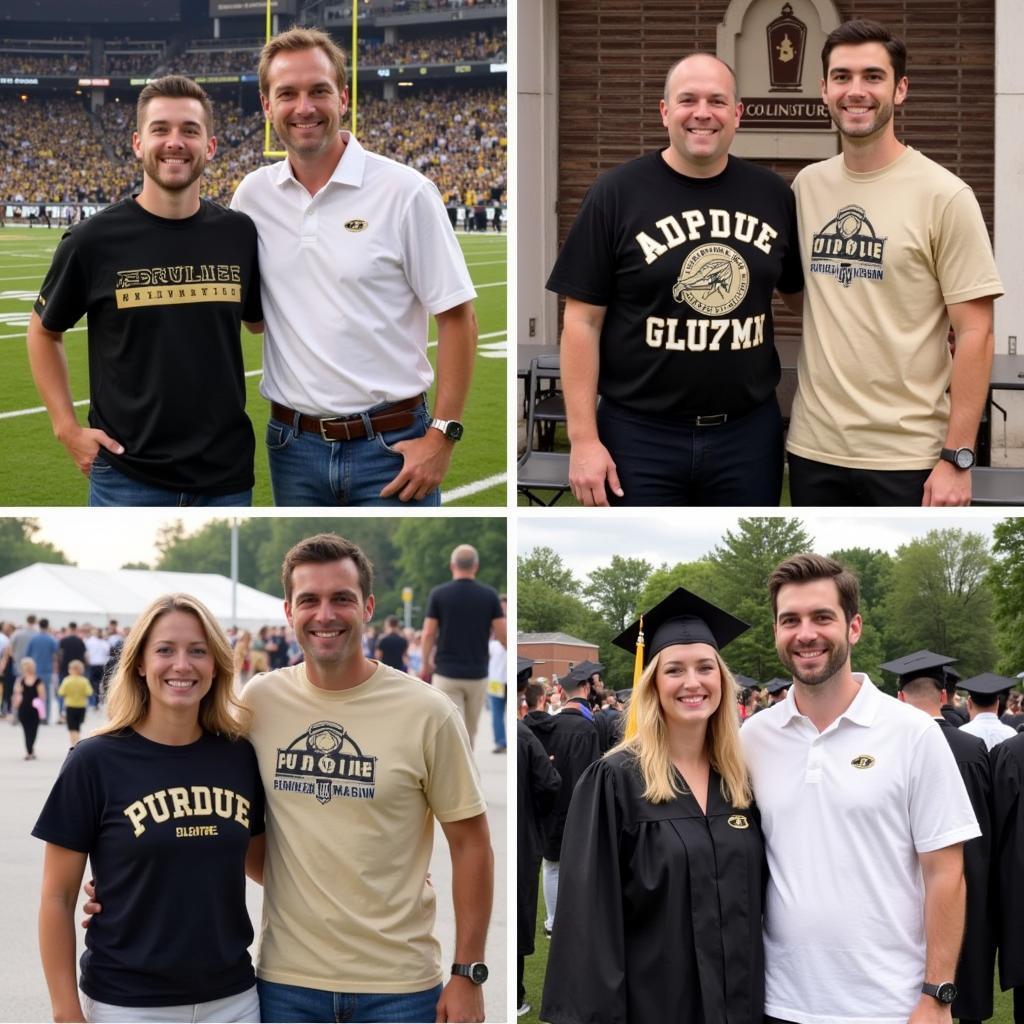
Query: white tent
[{"x": 65, "y": 593}]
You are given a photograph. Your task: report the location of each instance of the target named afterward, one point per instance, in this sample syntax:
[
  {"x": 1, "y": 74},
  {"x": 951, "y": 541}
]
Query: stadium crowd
[
  {"x": 463, "y": 153},
  {"x": 475, "y": 46},
  {"x": 43, "y": 64}
]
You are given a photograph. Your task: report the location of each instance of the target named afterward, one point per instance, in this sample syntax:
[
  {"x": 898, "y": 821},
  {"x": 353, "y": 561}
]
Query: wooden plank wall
[{"x": 614, "y": 54}]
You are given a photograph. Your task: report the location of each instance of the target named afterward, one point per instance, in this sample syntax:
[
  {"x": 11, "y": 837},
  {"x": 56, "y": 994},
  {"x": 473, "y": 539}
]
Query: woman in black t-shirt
[
  {"x": 164, "y": 802},
  {"x": 28, "y": 688}
]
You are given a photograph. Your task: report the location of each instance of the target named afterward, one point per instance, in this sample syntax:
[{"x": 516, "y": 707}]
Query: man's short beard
[{"x": 836, "y": 660}]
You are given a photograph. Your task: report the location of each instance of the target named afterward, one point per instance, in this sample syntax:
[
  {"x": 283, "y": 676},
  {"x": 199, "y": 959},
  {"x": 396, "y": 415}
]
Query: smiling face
[
  {"x": 328, "y": 612},
  {"x": 689, "y": 683},
  {"x": 812, "y": 637},
  {"x": 174, "y": 143},
  {"x": 701, "y": 114},
  {"x": 176, "y": 663},
  {"x": 303, "y": 102},
  {"x": 861, "y": 90}
]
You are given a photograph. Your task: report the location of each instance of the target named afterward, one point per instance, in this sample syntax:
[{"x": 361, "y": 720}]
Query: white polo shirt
[
  {"x": 350, "y": 278},
  {"x": 987, "y": 726},
  {"x": 845, "y": 813}
]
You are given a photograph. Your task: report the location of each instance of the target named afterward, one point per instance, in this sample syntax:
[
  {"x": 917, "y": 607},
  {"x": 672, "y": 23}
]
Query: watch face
[
  {"x": 946, "y": 993},
  {"x": 454, "y": 431},
  {"x": 964, "y": 458},
  {"x": 478, "y": 972}
]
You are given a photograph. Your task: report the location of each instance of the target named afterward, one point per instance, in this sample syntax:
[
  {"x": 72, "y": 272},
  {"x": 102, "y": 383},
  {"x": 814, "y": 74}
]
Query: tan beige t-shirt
[
  {"x": 884, "y": 253},
  {"x": 354, "y": 781}
]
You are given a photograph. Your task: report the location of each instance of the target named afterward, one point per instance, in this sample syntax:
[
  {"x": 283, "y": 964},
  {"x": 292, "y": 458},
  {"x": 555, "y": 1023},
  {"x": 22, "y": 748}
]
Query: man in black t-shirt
[
  {"x": 391, "y": 646},
  {"x": 668, "y": 274},
  {"x": 165, "y": 280},
  {"x": 458, "y": 624}
]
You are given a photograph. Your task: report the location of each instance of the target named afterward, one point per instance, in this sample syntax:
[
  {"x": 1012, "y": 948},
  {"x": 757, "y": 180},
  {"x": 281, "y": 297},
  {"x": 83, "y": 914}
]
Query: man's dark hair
[
  {"x": 391, "y": 622},
  {"x": 808, "y": 567},
  {"x": 534, "y": 694},
  {"x": 852, "y": 33},
  {"x": 44, "y": 623},
  {"x": 321, "y": 549},
  {"x": 176, "y": 87}
]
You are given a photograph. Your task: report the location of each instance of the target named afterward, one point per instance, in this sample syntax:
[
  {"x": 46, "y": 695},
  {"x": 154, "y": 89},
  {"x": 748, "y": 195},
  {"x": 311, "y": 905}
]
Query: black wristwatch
[
  {"x": 452, "y": 429},
  {"x": 476, "y": 972},
  {"x": 945, "y": 992},
  {"x": 962, "y": 458}
]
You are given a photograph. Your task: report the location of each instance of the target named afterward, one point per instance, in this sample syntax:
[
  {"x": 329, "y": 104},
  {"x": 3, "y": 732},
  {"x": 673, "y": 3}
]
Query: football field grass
[{"x": 36, "y": 470}]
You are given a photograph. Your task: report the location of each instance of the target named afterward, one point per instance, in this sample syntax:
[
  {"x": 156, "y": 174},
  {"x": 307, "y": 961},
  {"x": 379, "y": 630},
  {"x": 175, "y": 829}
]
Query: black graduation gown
[
  {"x": 659, "y": 908},
  {"x": 978, "y": 954},
  {"x": 1008, "y": 856},
  {"x": 537, "y": 786},
  {"x": 570, "y": 740}
]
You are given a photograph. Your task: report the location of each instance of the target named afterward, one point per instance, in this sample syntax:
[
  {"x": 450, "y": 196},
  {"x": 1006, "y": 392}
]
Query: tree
[
  {"x": 18, "y": 548},
  {"x": 1006, "y": 578},
  {"x": 873, "y": 569},
  {"x": 744, "y": 561},
  {"x": 700, "y": 577},
  {"x": 939, "y": 599},
  {"x": 614, "y": 589},
  {"x": 545, "y": 565}
]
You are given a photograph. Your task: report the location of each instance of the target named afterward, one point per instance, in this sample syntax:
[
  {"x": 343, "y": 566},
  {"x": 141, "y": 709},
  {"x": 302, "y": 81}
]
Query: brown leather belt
[{"x": 350, "y": 428}]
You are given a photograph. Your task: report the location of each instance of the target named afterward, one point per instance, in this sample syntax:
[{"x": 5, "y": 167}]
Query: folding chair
[
  {"x": 549, "y": 406},
  {"x": 997, "y": 485},
  {"x": 540, "y": 470}
]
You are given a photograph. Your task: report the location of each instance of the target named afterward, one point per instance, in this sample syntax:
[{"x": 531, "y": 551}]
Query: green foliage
[
  {"x": 614, "y": 590},
  {"x": 18, "y": 549},
  {"x": 938, "y": 600},
  {"x": 404, "y": 551},
  {"x": 873, "y": 568},
  {"x": 545, "y": 565},
  {"x": 1006, "y": 578}
]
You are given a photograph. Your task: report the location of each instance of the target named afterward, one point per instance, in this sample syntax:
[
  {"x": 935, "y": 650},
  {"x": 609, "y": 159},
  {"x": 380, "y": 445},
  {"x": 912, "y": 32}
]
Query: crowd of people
[
  {"x": 474, "y": 46},
  {"x": 614, "y": 794},
  {"x": 16, "y": 62},
  {"x": 463, "y": 153}
]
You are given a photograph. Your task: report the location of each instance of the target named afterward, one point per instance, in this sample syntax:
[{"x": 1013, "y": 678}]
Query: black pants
[
  {"x": 818, "y": 483},
  {"x": 662, "y": 463},
  {"x": 31, "y": 727}
]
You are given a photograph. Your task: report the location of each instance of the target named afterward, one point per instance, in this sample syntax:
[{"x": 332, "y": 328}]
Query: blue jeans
[
  {"x": 497, "y": 719},
  {"x": 307, "y": 470},
  {"x": 290, "y": 1004},
  {"x": 109, "y": 486},
  {"x": 665, "y": 463}
]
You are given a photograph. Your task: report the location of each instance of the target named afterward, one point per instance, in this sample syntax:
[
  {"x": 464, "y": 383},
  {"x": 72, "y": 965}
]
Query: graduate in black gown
[
  {"x": 662, "y": 861},
  {"x": 922, "y": 681},
  {"x": 1008, "y": 861}
]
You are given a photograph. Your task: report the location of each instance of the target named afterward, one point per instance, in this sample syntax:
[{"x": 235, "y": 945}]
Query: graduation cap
[
  {"x": 623, "y": 695},
  {"x": 577, "y": 675},
  {"x": 745, "y": 682},
  {"x": 682, "y": 618},
  {"x": 591, "y": 667},
  {"x": 988, "y": 684},
  {"x": 920, "y": 664},
  {"x": 524, "y": 669},
  {"x": 773, "y": 686}
]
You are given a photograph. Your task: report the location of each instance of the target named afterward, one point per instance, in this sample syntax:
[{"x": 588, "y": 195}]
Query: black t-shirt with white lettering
[
  {"x": 464, "y": 610},
  {"x": 164, "y": 300},
  {"x": 686, "y": 268},
  {"x": 166, "y": 829}
]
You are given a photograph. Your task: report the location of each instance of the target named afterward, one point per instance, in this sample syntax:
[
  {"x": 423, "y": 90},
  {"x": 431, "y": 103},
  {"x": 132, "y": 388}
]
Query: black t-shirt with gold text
[
  {"x": 686, "y": 268},
  {"x": 166, "y": 829},
  {"x": 164, "y": 300}
]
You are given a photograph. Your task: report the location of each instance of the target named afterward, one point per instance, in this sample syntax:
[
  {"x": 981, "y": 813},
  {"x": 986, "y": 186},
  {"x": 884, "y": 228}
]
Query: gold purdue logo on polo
[
  {"x": 863, "y": 761},
  {"x": 739, "y": 821},
  {"x": 713, "y": 280},
  {"x": 355, "y": 225}
]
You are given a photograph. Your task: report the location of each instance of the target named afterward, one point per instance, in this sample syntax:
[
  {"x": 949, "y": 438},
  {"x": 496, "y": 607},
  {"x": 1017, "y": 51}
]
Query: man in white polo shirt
[
  {"x": 864, "y": 815},
  {"x": 356, "y": 253}
]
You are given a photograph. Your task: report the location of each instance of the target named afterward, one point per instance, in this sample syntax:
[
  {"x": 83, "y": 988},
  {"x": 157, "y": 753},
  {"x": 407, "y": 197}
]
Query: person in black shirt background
[{"x": 163, "y": 801}]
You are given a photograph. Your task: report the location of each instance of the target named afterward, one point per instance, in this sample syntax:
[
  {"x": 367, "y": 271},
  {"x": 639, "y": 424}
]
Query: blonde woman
[
  {"x": 659, "y": 900},
  {"x": 29, "y": 702},
  {"x": 163, "y": 801}
]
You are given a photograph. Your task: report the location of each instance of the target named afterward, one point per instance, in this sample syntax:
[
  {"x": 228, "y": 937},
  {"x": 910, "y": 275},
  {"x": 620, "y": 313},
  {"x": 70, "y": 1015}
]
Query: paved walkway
[{"x": 23, "y": 788}]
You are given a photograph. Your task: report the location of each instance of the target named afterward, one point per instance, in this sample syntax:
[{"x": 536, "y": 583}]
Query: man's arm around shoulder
[{"x": 469, "y": 844}]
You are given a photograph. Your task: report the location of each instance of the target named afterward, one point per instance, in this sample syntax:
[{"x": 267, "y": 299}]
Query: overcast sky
[{"x": 586, "y": 542}]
